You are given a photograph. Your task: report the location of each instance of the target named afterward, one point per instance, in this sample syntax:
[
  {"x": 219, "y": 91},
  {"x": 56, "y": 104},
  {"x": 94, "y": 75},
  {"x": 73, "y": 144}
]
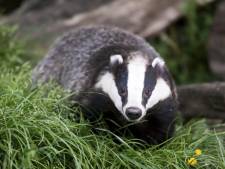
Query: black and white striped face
[{"x": 134, "y": 85}]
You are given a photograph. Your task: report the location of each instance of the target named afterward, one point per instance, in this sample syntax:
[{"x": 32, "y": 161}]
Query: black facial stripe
[
  {"x": 149, "y": 84},
  {"x": 121, "y": 77},
  {"x": 100, "y": 61},
  {"x": 164, "y": 73}
]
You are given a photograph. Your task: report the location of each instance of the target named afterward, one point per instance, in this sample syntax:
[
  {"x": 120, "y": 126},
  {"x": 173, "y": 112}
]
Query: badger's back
[{"x": 74, "y": 59}]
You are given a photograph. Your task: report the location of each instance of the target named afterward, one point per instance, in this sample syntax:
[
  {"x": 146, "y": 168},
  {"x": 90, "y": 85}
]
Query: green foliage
[
  {"x": 11, "y": 51},
  {"x": 184, "y": 45}
]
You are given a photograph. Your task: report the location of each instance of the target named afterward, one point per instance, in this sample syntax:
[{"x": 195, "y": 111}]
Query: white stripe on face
[
  {"x": 160, "y": 92},
  {"x": 107, "y": 84},
  {"x": 135, "y": 83}
]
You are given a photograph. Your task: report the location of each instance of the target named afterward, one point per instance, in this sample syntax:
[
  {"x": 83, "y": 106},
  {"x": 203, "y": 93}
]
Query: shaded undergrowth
[{"x": 184, "y": 44}]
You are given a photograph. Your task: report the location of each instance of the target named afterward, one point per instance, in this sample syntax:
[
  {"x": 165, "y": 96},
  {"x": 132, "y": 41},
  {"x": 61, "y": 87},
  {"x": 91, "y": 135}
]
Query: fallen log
[
  {"x": 202, "y": 100},
  {"x": 46, "y": 22},
  {"x": 144, "y": 17}
]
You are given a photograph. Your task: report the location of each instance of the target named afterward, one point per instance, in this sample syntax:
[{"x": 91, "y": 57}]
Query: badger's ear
[
  {"x": 158, "y": 62},
  {"x": 116, "y": 59},
  {"x": 159, "y": 65}
]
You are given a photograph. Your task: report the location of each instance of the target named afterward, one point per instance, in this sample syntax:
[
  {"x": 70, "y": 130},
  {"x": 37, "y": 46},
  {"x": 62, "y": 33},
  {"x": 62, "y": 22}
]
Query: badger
[{"x": 117, "y": 74}]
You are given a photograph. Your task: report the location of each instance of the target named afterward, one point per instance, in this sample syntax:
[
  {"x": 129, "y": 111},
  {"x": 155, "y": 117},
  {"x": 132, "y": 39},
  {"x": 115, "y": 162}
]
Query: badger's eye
[
  {"x": 147, "y": 93},
  {"x": 123, "y": 91}
]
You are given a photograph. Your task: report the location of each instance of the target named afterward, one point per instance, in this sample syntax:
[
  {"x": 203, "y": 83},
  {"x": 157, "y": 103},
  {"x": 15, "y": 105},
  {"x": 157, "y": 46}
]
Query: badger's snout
[{"x": 133, "y": 113}]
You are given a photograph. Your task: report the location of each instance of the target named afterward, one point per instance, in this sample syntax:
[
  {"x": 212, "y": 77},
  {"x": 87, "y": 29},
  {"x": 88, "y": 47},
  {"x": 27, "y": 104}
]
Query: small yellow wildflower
[
  {"x": 198, "y": 152},
  {"x": 192, "y": 162}
]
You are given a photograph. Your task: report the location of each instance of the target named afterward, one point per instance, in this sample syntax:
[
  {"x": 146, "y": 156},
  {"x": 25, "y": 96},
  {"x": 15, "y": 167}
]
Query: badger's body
[{"x": 116, "y": 73}]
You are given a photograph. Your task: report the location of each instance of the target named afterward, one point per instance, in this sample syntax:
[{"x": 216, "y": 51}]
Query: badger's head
[{"x": 134, "y": 84}]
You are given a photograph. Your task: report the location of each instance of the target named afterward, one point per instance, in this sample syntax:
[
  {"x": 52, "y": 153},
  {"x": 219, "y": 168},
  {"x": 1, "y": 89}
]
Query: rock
[{"x": 202, "y": 100}]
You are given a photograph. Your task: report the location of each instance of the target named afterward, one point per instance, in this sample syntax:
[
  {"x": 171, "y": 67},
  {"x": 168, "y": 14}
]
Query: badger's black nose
[{"x": 133, "y": 113}]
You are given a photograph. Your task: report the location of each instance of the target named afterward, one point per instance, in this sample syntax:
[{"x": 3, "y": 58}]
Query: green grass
[
  {"x": 11, "y": 51},
  {"x": 37, "y": 131}
]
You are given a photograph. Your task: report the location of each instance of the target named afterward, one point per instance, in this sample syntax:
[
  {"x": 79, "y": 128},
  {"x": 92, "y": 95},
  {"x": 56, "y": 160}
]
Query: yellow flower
[
  {"x": 192, "y": 161},
  {"x": 198, "y": 152}
]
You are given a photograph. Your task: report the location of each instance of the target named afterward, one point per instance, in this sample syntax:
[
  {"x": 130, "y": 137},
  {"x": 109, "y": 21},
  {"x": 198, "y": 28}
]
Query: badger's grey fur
[{"x": 116, "y": 73}]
